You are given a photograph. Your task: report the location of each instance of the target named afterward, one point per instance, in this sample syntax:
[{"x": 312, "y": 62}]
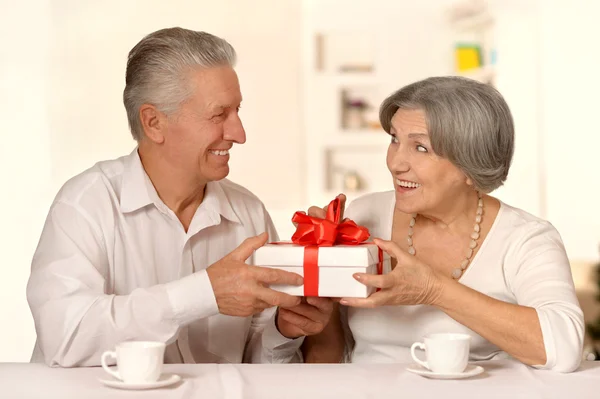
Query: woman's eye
[
  {"x": 394, "y": 139},
  {"x": 421, "y": 148}
]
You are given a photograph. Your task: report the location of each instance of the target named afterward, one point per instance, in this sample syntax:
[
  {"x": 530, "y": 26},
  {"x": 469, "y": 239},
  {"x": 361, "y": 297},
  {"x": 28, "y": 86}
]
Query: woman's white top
[{"x": 522, "y": 261}]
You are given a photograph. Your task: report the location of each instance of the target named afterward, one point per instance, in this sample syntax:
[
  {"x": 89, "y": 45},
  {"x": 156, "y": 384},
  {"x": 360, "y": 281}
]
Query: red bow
[
  {"x": 329, "y": 231},
  {"x": 313, "y": 232}
]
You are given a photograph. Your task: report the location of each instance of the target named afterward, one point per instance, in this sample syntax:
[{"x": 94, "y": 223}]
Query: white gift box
[{"x": 336, "y": 265}]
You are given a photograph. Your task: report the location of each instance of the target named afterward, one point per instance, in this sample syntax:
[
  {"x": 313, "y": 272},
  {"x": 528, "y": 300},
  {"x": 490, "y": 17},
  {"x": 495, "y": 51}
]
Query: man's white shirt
[{"x": 115, "y": 264}]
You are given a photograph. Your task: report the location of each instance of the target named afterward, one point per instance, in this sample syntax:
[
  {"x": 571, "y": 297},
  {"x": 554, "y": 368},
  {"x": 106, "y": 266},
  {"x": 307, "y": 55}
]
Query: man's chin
[{"x": 218, "y": 174}]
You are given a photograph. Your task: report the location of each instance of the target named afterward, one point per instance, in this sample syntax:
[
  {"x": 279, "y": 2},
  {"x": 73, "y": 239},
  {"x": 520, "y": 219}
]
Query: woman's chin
[{"x": 405, "y": 206}]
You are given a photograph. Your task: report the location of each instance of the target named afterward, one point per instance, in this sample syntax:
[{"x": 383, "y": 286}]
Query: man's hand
[
  {"x": 307, "y": 318},
  {"x": 241, "y": 289},
  {"x": 315, "y": 211}
]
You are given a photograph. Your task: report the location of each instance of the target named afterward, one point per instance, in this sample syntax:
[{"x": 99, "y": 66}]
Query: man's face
[{"x": 200, "y": 134}]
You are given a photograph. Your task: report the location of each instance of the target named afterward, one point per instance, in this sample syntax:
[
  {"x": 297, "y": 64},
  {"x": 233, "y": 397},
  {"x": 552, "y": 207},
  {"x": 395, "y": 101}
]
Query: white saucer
[
  {"x": 471, "y": 371},
  {"x": 164, "y": 381}
]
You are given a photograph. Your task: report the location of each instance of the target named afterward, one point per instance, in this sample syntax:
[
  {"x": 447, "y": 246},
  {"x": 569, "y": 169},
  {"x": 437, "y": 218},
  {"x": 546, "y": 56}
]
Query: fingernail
[
  {"x": 343, "y": 302},
  {"x": 357, "y": 276}
]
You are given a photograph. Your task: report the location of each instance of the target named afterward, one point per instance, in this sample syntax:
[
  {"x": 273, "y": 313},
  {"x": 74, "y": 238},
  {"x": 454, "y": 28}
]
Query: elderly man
[{"x": 153, "y": 245}]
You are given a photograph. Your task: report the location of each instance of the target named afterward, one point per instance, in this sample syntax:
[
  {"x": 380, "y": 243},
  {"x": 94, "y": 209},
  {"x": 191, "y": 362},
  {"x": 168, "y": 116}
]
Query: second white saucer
[
  {"x": 164, "y": 381},
  {"x": 471, "y": 371}
]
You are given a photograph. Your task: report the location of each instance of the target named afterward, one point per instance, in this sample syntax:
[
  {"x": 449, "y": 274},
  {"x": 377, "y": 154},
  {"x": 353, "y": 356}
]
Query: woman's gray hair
[
  {"x": 469, "y": 123},
  {"x": 158, "y": 69}
]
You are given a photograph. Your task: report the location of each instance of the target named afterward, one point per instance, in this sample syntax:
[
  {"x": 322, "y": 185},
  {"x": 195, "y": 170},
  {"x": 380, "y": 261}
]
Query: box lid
[{"x": 288, "y": 254}]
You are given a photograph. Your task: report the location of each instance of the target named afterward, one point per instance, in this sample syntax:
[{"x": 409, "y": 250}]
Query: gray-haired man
[{"x": 153, "y": 245}]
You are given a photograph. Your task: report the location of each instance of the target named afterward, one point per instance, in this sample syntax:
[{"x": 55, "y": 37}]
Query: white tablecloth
[{"x": 501, "y": 379}]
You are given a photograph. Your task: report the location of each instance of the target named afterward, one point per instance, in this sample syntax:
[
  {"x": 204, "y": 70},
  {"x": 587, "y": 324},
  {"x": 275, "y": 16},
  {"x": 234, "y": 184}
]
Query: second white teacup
[
  {"x": 137, "y": 361},
  {"x": 444, "y": 352}
]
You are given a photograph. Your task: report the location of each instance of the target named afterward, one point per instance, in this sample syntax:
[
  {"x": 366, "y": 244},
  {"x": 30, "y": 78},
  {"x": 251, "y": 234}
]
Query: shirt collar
[
  {"x": 137, "y": 191},
  {"x": 216, "y": 199}
]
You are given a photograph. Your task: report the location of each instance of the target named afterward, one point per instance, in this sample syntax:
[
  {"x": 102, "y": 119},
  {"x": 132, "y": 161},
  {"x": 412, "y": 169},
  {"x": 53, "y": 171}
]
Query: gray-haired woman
[{"x": 465, "y": 261}]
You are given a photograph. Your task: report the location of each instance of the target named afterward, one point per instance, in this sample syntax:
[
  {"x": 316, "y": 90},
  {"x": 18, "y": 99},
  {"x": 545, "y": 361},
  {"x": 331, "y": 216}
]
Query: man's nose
[{"x": 234, "y": 130}]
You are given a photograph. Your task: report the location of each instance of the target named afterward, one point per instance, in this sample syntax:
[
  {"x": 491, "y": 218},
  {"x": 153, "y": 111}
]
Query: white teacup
[
  {"x": 137, "y": 361},
  {"x": 445, "y": 352}
]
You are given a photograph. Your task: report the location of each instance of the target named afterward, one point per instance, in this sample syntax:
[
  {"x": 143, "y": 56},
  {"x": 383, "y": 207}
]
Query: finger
[
  {"x": 306, "y": 325},
  {"x": 308, "y": 311},
  {"x": 342, "y": 198},
  {"x": 324, "y": 305},
  {"x": 296, "y": 224},
  {"x": 276, "y": 298},
  {"x": 376, "y": 280},
  {"x": 261, "y": 305},
  {"x": 374, "y": 300},
  {"x": 317, "y": 212},
  {"x": 393, "y": 250},
  {"x": 271, "y": 276},
  {"x": 246, "y": 248}
]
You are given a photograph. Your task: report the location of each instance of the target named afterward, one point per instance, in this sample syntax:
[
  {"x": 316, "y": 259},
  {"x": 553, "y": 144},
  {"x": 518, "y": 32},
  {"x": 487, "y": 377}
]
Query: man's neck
[{"x": 180, "y": 193}]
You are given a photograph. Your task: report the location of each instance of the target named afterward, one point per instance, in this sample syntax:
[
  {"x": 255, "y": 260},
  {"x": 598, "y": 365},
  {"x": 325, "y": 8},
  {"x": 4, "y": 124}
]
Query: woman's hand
[{"x": 412, "y": 282}]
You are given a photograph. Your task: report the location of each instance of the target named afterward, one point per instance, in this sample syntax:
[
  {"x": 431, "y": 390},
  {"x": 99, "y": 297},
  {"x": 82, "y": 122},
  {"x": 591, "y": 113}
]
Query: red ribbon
[
  {"x": 313, "y": 232},
  {"x": 329, "y": 231}
]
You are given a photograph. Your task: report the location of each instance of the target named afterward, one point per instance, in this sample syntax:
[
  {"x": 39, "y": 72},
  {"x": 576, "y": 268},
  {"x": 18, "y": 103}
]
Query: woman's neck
[{"x": 454, "y": 214}]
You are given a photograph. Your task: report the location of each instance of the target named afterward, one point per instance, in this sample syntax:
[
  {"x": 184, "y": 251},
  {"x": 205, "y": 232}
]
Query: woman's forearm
[{"x": 513, "y": 328}]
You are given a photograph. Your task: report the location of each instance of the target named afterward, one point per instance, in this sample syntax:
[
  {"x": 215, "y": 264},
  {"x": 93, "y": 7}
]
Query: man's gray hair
[
  {"x": 158, "y": 70},
  {"x": 469, "y": 123}
]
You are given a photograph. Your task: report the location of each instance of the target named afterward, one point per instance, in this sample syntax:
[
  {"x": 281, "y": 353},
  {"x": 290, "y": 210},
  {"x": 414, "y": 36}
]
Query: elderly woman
[{"x": 462, "y": 260}]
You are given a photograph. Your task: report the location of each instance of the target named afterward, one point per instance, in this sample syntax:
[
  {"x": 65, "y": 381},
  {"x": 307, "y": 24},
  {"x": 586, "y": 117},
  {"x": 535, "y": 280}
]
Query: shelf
[
  {"x": 473, "y": 23},
  {"x": 355, "y": 79},
  {"x": 468, "y": 15}
]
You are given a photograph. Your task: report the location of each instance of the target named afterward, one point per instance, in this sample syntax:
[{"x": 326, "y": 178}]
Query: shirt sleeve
[
  {"x": 76, "y": 320},
  {"x": 265, "y": 343},
  {"x": 543, "y": 280}
]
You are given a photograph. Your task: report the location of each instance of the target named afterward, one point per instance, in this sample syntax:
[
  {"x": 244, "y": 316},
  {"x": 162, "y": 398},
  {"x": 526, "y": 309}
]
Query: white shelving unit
[
  {"x": 336, "y": 153},
  {"x": 392, "y": 43}
]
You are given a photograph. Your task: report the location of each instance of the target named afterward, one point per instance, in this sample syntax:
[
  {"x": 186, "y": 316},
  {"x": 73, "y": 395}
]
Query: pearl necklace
[{"x": 456, "y": 273}]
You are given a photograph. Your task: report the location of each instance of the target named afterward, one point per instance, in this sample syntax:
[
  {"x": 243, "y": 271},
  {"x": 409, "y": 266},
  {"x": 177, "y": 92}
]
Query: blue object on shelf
[{"x": 493, "y": 57}]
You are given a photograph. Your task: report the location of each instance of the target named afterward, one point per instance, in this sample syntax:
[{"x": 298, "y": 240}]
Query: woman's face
[{"x": 423, "y": 180}]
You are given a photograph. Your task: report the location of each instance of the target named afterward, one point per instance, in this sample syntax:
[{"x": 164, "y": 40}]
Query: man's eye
[{"x": 421, "y": 148}]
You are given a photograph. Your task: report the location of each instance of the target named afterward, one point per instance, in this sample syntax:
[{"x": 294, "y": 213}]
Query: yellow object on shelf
[{"x": 467, "y": 57}]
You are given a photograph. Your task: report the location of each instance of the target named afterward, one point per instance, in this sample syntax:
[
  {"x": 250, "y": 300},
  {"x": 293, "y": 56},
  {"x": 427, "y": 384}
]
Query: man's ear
[{"x": 154, "y": 123}]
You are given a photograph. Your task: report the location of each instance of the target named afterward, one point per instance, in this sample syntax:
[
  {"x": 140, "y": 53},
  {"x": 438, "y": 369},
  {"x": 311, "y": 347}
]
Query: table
[{"x": 502, "y": 379}]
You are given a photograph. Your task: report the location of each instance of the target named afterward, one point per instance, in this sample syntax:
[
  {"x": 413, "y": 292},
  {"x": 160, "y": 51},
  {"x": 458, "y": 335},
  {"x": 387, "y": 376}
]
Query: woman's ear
[
  {"x": 469, "y": 182},
  {"x": 153, "y": 122}
]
